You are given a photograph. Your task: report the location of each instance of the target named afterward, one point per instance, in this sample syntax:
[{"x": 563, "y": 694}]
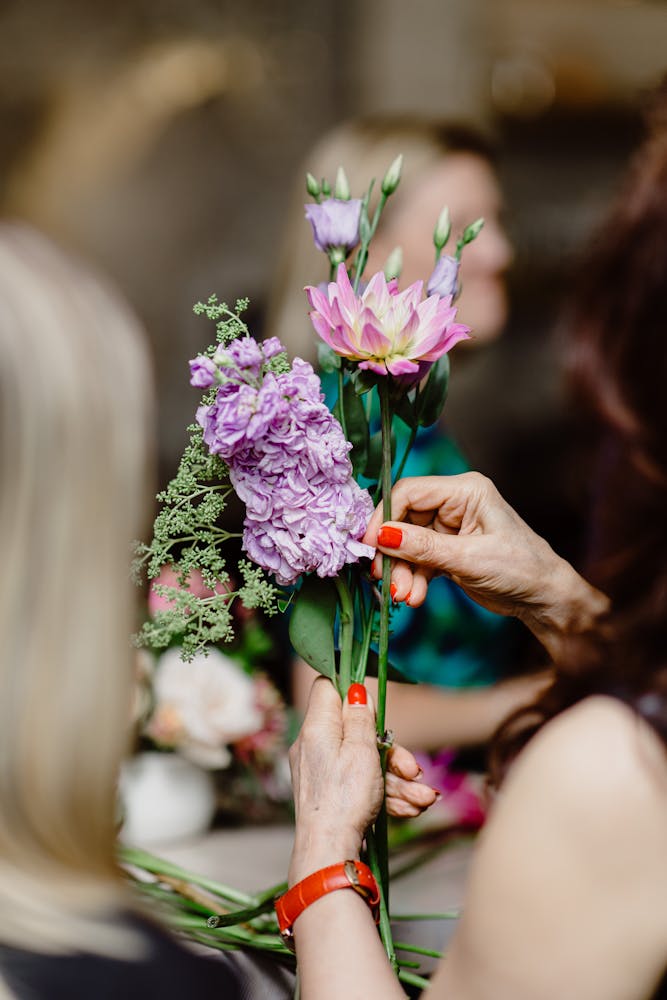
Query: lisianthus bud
[
  {"x": 335, "y": 224},
  {"x": 326, "y": 188},
  {"x": 472, "y": 231},
  {"x": 444, "y": 280},
  {"x": 443, "y": 228},
  {"x": 394, "y": 264},
  {"x": 312, "y": 186},
  {"x": 393, "y": 176},
  {"x": 342, "y": 188}
]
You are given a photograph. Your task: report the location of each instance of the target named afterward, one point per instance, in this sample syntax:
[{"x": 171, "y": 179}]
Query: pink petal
[
  {"x": 345, "y": 291},
  {"x": 317, "y": 299},
  {"x": 373, "y": 366},
  {"x": 455, "y": 333},
  {"x": 401, "y": 366},
  {"x": 377, "y": 290},
  {"x": 373, "y": 340}
]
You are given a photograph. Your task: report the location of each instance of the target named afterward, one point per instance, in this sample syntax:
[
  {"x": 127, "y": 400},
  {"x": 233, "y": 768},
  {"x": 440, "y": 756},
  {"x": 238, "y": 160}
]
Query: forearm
[
  {"x": 428, "y": 718},
  {"x": 338, "y": 948}
]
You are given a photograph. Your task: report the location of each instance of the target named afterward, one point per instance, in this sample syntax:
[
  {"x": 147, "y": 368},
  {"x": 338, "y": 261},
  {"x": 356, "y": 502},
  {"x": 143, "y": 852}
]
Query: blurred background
[{"x": 161, "y": 139}]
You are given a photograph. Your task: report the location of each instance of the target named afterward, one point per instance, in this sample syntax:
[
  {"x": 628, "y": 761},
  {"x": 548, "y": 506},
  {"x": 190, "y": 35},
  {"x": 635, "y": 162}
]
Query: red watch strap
[{"x": 344, "y": 875}]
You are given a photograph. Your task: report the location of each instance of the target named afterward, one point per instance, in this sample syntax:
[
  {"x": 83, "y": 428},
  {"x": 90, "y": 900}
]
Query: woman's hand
[
  {"x": 337, "y": 780},
  {"x": 461, "y": 527}
]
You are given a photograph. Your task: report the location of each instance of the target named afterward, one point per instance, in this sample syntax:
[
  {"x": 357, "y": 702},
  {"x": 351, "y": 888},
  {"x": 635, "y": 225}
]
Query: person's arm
[
  {"x": 337, "y": 792},
  {"x": 567, "y": 895},
  {"x": 428, "y": 718},
  {"x": 460, "y": 526}
]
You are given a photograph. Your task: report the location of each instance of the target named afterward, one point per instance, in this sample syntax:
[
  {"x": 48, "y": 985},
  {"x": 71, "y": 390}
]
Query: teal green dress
[{"x": 449, "y": 641}]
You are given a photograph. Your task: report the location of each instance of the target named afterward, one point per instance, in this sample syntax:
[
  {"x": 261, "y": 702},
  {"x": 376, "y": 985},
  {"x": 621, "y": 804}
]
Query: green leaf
[
  {"x": 404, "y": 408},
  {"x": 327, "y": 359},
  {"x": 363, "y": 381},
  {"x": 431, "y": 399},
  {"x": 356, "y": 427},
  {"x": 311, "y": 627}
]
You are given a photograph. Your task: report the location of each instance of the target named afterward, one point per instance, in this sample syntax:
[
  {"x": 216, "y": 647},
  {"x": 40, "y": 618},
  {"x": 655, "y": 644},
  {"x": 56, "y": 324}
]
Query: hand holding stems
[
  {"x": 337, "y": 779},
  {"x": 460, "y": 526}
]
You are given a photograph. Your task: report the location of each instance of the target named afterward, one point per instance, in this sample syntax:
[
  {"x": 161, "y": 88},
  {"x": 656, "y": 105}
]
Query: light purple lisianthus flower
[
  {"x": 202, "y": 372},
  {"x": 386, "y": 331},
  {"x": 445, "y": 277},
  {"x": 335, "y": 223}
]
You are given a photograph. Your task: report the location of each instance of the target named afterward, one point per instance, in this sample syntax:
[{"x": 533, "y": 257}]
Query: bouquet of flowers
[{"x": 264, "y": 431}]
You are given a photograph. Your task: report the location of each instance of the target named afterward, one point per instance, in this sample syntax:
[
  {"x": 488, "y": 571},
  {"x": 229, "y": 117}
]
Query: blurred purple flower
[
  {"x": 444, "y": 280},
  {"x": 335, "y": 223},
  {"x": 202, "y": 372}
]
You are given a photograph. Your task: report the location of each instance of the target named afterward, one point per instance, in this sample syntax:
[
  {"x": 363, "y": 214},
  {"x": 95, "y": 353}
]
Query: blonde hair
[
  {"x": 75, "y": 398},
  {"x": 365, "y": 147}
]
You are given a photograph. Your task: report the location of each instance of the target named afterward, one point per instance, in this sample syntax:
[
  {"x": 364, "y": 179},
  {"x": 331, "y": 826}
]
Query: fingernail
[
  {"x": 373, "y": 573},
  {"x": 419, "y": 775},
  {"x": 438, "y": 795},
  {"x": 392, "y": 591},
  {"x": 356, "y": 694},
  {"x": 408, "y": 596},
  {"x": 390, "y": 537}
]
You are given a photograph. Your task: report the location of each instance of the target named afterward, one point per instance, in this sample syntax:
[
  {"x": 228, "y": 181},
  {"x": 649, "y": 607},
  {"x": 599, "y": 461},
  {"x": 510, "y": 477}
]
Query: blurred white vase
[{"x": 164, "y": 797}]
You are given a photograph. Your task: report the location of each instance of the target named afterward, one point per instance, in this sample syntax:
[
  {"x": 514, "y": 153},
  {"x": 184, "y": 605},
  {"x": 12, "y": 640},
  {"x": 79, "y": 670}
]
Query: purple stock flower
[
  {"x": 444, "y": 280},
  {"x": 202, "y": 372},
  {"x": 335, "y": 223},
  {"x": 288, "y": 462}
]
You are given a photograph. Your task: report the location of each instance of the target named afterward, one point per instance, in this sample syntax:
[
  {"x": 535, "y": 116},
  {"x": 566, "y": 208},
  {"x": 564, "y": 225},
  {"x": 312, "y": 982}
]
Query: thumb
[{"x": 359, "y": 715}]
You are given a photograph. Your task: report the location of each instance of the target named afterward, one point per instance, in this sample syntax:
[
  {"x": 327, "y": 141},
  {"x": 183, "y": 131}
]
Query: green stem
[
  {"x": 385, "y": 925},
  {"x": 408, "y": 449},
  {"x": 383, "y": 651},
  {"x": 142, "y": 859},
  {"x": 366, "y": 616},
  {"x": 346, "y": 625},
  {"x": 341, "y": 408},
  {"x": 416, "y": 950}
]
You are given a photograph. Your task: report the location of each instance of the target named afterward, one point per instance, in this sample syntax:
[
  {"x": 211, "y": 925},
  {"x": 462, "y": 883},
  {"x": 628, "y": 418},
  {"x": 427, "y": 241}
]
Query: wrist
[
  {"x": 315, "y": 848},
  {"x": 571, "y": 607}
]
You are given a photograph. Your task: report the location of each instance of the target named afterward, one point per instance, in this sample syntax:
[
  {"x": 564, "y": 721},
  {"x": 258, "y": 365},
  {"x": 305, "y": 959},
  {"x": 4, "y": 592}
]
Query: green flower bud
[
  {"x": 394, "y": 264},
  {"x": 342, "y": 188},
  {"x": 393, "y": 176},
  {"x": 443, "y": 228},
  {"x": 326, "y": 188},
  {"x": 312, "y": 187},
  {"x": 337, "y": 255},
  {"x": 472, "y": 231}
]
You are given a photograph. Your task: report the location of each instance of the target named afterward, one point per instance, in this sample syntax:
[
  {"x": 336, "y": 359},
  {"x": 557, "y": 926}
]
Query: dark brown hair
[{"x": 618, "y": 367}]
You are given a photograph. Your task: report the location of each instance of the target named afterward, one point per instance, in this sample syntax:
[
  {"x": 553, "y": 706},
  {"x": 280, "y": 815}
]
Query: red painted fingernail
[
  {"x": 409, "y": 595},
  {"x": 356, "y": 694},
  {"x": 389, "y": 537},
  {"x": 392, "y": 591},
  {"x": 373, "y": 573}
]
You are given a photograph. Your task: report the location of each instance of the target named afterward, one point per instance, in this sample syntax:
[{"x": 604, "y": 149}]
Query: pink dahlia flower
[{"x": 385, "y": 330}]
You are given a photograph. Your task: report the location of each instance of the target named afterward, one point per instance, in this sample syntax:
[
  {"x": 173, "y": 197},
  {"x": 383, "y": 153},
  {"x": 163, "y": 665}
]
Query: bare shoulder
[
  {"x": 570, "y": 872},
  {"x": 600, "y": 742}
]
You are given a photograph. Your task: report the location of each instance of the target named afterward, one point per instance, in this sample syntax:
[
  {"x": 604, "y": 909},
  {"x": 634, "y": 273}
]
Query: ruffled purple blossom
[
  {"x": 289, "y": 464},
  {"x": 202, "y": 372}
]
